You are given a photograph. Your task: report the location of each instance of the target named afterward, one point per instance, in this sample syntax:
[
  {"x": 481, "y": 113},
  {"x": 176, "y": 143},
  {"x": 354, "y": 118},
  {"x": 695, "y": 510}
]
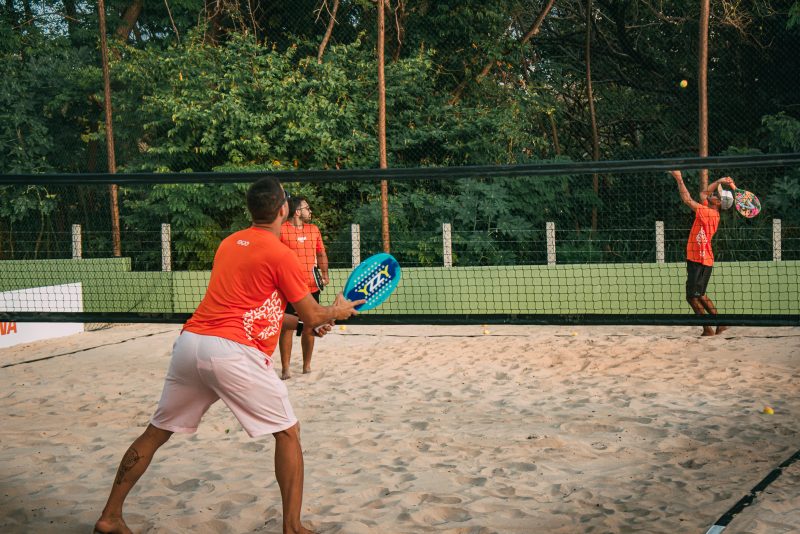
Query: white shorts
[{"x": 206, "y": 368}]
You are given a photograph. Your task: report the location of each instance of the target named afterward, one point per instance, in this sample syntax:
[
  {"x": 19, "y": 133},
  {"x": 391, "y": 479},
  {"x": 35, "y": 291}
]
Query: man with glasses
[{"x": 300, "y": 235}]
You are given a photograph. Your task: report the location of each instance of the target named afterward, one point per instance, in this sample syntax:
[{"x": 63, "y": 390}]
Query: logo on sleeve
[{"x": 243, "y": 243}]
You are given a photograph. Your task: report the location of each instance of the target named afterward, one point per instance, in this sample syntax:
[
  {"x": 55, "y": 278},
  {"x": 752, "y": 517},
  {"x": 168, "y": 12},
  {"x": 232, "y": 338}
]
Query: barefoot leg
[
  {"x": 307, "y": 341},
  {"x": 289, "y": 472},
  {"x": 285, "y": 345},
  {"x": 134, "y": 463}
]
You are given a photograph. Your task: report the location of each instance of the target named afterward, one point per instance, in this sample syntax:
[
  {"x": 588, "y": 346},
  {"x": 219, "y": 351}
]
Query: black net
[{"x": 550, "y": 243}]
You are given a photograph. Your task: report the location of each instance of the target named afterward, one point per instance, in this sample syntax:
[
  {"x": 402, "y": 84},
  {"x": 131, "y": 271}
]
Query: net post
[
  {"x": 355, "y": 238},
  {"x": 776, "y": 240},
  {"x": 166, "y": 248},
  {"x": 660, "y": 242},
  {"x": 77, "y": 244},
  {"x": 447, "y": 245},
  {"x": 551, "y": 243}
]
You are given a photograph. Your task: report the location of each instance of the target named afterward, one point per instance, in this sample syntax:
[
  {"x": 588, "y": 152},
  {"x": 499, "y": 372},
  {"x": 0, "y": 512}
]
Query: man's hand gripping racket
[{"x": 371, "y": 282}]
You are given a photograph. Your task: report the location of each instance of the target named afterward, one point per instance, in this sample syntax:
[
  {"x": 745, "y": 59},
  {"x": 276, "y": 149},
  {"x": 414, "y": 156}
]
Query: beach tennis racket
[
  {"x": 747, "y": 203},
  {"x": 373, "y": 280},
  {"x": 318, "y": 278}
]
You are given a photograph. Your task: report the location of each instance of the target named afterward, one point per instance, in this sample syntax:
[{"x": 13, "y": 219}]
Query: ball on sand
[
  {"x": 342, "y": 327},
  {"x": 486, "y": 332},
  {"x": 684, "y": 84},
  {"x": 768, "y": 410}
]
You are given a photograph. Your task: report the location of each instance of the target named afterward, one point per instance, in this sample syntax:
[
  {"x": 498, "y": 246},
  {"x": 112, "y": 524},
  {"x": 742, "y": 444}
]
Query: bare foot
[
  {"x": 721, "y": 329},
  {"x": 286, "y": 375},
  {"x": 707, "y": 331},
  {"x": 112, "y": 526},
  {"x": 306, "y": 370}
]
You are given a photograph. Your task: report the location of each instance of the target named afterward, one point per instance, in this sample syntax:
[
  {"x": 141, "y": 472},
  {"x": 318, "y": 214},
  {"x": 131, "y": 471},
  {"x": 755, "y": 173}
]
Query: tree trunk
[
  {"x": 532, "y": 31},
  {"x": 112, "y": 164},
  {"x": 71, "y": 17},
  {"x": 129, "y": 19},
  {"x": 592, "y": 115},
  {"x": 399, "y": 21},
  {"x": 702, "y": 88},
  {"x": 382, "y": 126},
  {"x": 328, "y": 32}
]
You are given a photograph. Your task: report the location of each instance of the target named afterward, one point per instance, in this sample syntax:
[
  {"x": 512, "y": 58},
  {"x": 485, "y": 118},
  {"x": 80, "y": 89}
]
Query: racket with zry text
[{"x": 373, "y": 280}]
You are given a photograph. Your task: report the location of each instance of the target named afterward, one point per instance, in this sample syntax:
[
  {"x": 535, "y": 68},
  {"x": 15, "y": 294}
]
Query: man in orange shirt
[
  {"x": 305, "y": 239},
  {"x": 224, "y": 352},
  {"x": 699, "y": 252}
]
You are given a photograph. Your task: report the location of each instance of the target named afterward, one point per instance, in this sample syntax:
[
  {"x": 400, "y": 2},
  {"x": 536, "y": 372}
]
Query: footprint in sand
[
  {"x": 193, "y": 484},
  {"x": 437, "y": 515}
]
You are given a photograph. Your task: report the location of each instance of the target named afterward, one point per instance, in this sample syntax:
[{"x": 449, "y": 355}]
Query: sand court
[{"x": 413, "y": 429}]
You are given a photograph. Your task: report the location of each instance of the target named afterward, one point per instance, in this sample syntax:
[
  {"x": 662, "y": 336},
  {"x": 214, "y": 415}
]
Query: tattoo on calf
[{"x": 127, "y": 463}]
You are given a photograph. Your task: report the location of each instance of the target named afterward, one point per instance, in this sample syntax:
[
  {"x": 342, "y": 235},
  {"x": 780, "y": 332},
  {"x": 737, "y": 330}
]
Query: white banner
[{"x": 60, "y": 298}]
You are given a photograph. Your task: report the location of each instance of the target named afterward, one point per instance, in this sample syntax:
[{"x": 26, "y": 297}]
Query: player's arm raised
[
  {"x": 683, "y": 192},
  {"x": 712, "y": 187}
]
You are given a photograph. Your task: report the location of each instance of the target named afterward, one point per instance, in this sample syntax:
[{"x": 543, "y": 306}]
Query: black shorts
[
  {"x": 290, "y": 309},
  {"x": 697, "y": 277}
]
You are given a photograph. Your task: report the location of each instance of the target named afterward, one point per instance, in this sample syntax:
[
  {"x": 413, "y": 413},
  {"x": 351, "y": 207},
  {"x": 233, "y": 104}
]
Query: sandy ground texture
[{"x": 413, "y": 429}]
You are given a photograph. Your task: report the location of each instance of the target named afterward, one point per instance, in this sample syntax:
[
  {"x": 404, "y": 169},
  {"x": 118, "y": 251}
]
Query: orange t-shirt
[
  {"x": 253, "y": 277},
  {"x": 307, "y": 243},
  {"x": 698, "y": 248}
]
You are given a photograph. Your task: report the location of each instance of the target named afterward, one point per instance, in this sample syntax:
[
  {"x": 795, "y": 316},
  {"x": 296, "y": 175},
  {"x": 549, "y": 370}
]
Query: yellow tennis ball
[
  {"x": 574, "y": 333},
  {"x": 486, "y": 332},
  {"x": 684, "y": 84},
  {"x": 342, "y": 327},
  {"x": 768, "y": 410}
]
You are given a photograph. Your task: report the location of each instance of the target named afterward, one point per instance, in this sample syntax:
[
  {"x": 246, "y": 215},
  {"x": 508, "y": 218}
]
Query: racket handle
[{"x": 320, "y": 327}]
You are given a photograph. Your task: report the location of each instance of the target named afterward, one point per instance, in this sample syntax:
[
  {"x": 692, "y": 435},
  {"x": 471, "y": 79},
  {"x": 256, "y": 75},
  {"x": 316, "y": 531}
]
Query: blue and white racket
[{"x": 373, "y": 280}]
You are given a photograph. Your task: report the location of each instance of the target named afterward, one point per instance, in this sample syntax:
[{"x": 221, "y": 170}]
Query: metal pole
[
  {"x": 112, "y": 164},
  {"x": 776, "y": 240}
]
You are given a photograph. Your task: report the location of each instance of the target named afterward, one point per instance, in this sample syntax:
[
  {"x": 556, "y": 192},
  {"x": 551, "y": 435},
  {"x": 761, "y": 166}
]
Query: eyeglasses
[
  {"x": 305, "y": 208},
  {"x": 286, "y": 195}
]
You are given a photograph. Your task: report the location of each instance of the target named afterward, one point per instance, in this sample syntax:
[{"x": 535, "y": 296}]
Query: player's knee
[
  {"x": 291, "y": 433},
  {"x": 157, "y": 435}
]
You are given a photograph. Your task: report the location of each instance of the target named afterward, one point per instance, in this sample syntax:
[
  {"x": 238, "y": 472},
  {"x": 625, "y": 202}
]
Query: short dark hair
[
  {"x": 264, "y": 200},
  {"x": 294, "y": 204}
]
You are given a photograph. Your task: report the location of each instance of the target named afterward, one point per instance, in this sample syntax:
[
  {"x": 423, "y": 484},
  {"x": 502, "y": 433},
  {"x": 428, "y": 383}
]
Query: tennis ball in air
[
  {"x": 684, "y": 84},
  {"x": 768, "y": 410}
]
